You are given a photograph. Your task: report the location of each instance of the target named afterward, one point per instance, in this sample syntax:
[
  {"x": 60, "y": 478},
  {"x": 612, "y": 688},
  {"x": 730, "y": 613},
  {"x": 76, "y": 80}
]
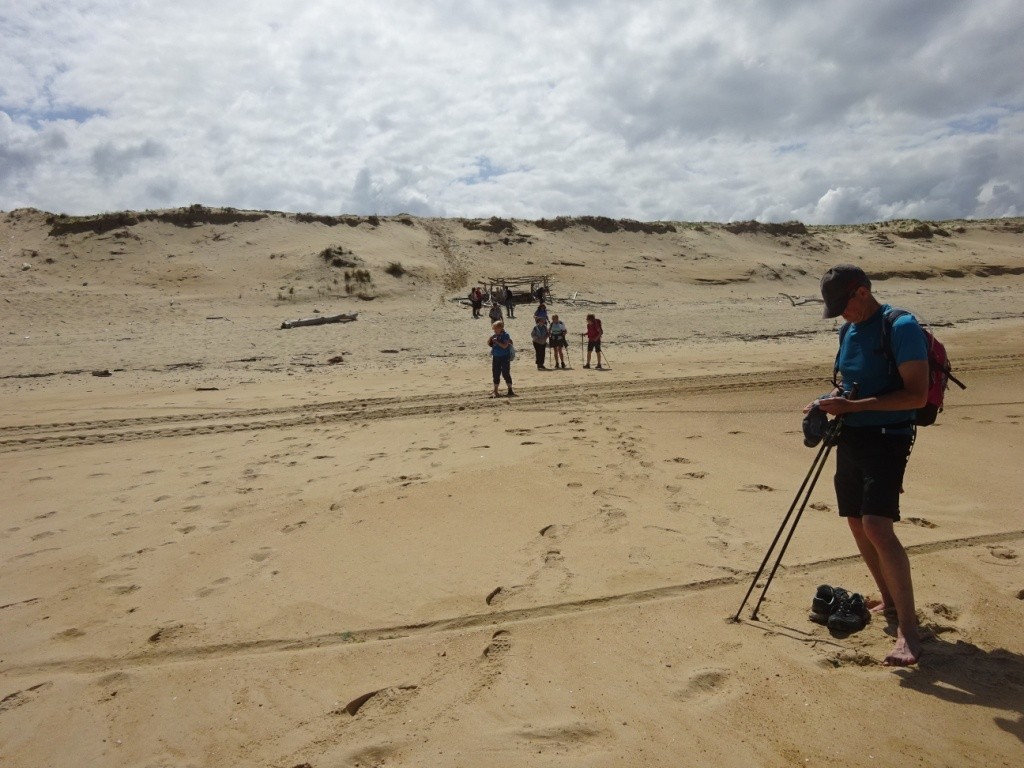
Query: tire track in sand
[
  {"x": 82, "y": 433},
  {"x": 552, "y": 611}
]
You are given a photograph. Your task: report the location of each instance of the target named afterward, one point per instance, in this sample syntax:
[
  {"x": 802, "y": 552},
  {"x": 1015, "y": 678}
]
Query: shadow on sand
[{"x": 963, "y": 673}]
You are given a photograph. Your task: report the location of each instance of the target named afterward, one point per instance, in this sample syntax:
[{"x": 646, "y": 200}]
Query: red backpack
[{"x": 940, "y": 371}]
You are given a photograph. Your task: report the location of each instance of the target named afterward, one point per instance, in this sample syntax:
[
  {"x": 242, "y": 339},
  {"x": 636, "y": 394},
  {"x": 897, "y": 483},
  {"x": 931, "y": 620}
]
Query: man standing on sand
[
  {"x": 875, "y": 440},
  {"x": 476, "y": 301},
  {"x": 594, "y": 333},
  {"x": 510, "y": 303}
]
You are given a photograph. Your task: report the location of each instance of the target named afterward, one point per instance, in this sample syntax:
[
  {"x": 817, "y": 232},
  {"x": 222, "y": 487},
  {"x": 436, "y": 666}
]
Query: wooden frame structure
[{"x": 523, "y": 287}]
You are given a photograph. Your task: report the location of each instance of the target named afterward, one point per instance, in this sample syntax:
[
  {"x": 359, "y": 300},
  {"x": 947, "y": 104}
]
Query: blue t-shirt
[
  {"x": 497, "y": 351},
  {"x": 862, "y": 361}
]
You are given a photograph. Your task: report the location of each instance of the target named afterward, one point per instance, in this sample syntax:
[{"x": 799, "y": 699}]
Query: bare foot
[
  {"x": 904, "y": 653},
  {"x": 876, "y": 606}
]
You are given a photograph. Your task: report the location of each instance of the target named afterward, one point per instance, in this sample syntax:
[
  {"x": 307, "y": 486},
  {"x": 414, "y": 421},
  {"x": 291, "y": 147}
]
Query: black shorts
[
  {"x": 869, "y": 472},
  {"x": 594, "y": 345}
]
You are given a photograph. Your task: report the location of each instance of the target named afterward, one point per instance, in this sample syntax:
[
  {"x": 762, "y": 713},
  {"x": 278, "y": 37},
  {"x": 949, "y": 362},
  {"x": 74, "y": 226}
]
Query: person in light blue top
[
  {"x": 863, "y": 362},
  {"x": 557, "y": 340},
  {"x": 876, "y": 399},
  {"x": 502, "y": 353}
]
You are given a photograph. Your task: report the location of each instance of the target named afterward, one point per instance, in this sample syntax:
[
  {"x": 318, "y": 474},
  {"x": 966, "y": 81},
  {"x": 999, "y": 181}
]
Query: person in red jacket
[{"x": 594, "y": 333}]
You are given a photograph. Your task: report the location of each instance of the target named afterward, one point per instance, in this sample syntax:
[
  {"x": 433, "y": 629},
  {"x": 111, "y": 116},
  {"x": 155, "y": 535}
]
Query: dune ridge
[{"x": 228, "y": 543}]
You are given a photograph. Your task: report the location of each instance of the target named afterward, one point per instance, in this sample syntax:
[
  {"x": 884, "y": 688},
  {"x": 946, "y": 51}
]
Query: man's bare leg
[
  {"x": 894, "y": 567},
  {"x": 870, "y": 557}
]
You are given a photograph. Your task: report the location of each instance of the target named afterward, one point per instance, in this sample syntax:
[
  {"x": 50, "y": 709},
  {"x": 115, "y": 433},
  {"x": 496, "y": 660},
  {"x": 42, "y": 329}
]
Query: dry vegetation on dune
[{"x": 655, "y": 282}]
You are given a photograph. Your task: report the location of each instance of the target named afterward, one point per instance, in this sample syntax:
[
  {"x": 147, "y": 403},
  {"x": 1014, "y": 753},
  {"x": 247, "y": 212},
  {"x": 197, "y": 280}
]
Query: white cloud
[{"x": 827, "y": 111}]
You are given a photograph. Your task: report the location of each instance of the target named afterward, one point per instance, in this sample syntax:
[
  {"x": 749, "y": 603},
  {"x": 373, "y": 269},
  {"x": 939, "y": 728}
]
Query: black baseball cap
[{"x": 838, "y": 286}]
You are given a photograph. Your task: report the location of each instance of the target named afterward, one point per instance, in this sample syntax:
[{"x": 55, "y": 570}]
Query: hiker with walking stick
[
  {"x": 556, "y": 340},
  {"x": 877, "y": 435},
  {"x": 594, "y": 333}
]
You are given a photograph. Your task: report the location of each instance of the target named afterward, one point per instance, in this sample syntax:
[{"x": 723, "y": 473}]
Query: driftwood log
[
  {"x": 320, "y": 320},
  {"x": 798, "y": 300}
]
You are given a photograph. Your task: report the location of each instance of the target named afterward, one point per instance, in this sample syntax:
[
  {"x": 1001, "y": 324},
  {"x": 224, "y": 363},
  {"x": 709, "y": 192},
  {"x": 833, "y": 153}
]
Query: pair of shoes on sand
[
  {"x": 838, "y": 609},
  {"x": 510, "y": 394}
]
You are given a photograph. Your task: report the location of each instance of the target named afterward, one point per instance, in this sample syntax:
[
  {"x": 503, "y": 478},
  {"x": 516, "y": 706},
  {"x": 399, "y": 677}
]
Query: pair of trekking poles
[
  {"x": 829, "y": 439},
  {"x": 583, "y": 351}
]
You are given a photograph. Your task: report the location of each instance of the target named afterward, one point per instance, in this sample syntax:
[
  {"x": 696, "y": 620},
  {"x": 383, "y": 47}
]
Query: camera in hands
[{"x": 815, "y": 426}]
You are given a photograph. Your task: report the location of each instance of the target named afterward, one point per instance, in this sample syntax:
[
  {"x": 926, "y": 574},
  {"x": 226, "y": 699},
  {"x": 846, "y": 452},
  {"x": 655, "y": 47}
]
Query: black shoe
[
  {"x": 587, "y": 365},
  {"x": 599, "y": 367},
  {"x": 512, "y": 394},
  {"x": 851, "y": 615},
  {"x": 825, "y": 602}
]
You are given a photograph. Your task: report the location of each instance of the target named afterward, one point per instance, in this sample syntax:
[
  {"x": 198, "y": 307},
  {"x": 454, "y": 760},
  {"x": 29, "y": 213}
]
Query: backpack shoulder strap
[
  {"x": 890, "y": 319},
  {"x": 842, "y": 336}
]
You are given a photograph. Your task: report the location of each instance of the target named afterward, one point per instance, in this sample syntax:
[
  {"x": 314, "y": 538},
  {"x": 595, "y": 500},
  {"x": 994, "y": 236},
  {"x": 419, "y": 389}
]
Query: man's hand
[{"x": 838, "y": 406}]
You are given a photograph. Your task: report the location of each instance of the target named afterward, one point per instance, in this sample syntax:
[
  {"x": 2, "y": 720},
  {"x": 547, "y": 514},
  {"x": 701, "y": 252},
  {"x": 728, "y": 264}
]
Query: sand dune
[{"x": 219, "y": 547}]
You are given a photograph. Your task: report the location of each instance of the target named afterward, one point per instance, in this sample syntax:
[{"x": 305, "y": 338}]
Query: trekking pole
[
  {"x": 819, "y": 461},
  {"x": 830, "y": 441}
]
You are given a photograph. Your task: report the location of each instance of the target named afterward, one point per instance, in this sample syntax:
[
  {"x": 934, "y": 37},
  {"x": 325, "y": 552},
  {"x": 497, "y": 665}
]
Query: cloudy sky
[{"x": 826, "y": 111}]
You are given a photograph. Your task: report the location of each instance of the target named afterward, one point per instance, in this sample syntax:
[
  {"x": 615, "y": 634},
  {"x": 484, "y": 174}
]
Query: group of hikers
[
  {"x": 502, "y": 297},
  {"x": 549, "y": 331}
]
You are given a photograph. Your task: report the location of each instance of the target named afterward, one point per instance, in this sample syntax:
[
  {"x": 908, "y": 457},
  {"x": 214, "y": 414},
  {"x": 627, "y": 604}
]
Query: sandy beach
[{"x": 225, "y": 543}]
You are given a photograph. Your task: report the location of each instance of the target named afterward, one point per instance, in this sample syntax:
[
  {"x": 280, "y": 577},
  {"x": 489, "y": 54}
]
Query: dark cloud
[{"x": 112, "y": 161}]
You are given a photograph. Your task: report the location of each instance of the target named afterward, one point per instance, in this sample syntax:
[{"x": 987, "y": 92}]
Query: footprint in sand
[
  {"x": 942, "y": 620},
  {"x": 920, "y": 522},
  {"x": 207, "y": 591},
  {"x": 383, "y": 696},
  {"x": 501, "y": 643},
  {"x": 639, "y": 555},
  {"x": 16, "y": 699},
  {"x": 170, "y": 632},
  {"x": 262, "y": 555},
  {"x": 499, "y": 595},
  {"x": 756, "y": 488},
  {"x": 703, "y": 682},
  {"x": 696, "y": 475},
  {"x": 1002, "y": 555},
  {"x": 68, "y": 634},
  {"x": 945, "y": 611}
]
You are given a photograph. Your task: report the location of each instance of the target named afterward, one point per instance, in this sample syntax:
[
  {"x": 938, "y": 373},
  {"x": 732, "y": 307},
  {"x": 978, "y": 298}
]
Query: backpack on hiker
[{"x": 940, "y": 371}]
